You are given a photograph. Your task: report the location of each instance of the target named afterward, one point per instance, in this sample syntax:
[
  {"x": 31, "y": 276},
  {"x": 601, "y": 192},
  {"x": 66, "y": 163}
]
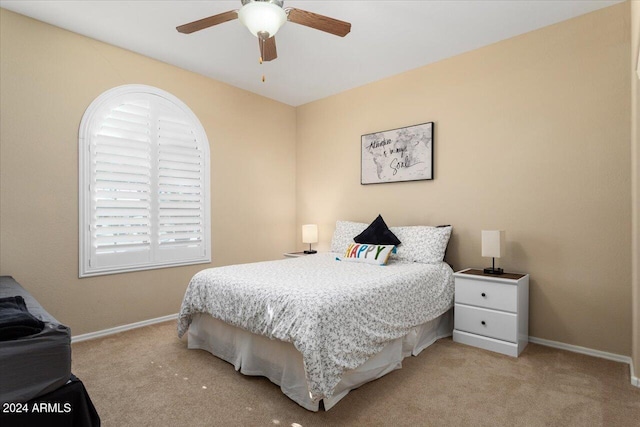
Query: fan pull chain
[{"x": 262, "y": 50}]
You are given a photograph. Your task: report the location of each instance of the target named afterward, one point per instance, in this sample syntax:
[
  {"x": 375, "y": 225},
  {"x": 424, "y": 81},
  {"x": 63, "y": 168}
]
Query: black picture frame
[{"x": 398, "y": 155}]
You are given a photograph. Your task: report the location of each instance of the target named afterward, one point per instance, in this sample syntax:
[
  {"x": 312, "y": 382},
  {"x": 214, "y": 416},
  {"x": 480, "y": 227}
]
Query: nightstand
[
  {"x": 295, "y": 254},
  {"x": 491, "y": 311}
]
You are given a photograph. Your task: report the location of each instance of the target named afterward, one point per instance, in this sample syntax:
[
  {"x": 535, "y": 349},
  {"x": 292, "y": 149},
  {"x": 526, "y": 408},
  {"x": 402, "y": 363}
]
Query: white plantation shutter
[
  {"x": 120, "y": 186},
  {"x": 180, "y": 189},
  {"x": 144, "y": 179}
]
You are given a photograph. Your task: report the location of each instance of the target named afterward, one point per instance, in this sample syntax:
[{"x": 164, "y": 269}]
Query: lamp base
[
  {"x": 309, "y": 252},
  {"x": 496, "y": 271}
]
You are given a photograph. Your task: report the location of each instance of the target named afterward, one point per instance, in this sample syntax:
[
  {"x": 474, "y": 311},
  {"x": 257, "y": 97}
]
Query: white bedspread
[{"x": 336, "y": 313}]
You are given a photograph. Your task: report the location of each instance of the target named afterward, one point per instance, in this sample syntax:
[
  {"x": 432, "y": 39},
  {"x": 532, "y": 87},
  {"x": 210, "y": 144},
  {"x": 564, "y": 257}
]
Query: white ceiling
[{"x": 387, "y": 37}]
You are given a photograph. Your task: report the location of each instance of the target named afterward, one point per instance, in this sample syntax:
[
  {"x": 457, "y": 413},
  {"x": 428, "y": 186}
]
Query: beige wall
[
  {"x": 531, "y": 136},
  {"x": 48, "y": 77},
  {"x": 635, "y": 145}
]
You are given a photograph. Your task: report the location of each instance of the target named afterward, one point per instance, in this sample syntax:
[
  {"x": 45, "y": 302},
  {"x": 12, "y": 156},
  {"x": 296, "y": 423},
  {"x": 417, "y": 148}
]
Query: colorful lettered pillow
[{"x": 368, "y": 253}]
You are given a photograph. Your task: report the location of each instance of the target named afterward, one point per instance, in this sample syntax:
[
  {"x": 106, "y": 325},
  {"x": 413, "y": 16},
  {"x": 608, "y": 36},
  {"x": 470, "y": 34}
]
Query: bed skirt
[{"x": 282, "y": 364}]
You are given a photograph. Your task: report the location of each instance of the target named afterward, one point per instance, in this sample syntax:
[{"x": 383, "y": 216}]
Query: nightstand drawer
[
  {"x": 489, "y": 323},
  {"x": 498, "y": 296}
]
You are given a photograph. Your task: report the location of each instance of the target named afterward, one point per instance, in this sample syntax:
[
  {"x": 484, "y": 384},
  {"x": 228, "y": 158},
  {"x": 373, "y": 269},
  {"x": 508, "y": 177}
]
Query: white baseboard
[
  {"x": 634, "y": 380},
  {"x": 581, "y": 350},
  {"x": 122, "y": 328},
  {"x": 589, "y": 352}
]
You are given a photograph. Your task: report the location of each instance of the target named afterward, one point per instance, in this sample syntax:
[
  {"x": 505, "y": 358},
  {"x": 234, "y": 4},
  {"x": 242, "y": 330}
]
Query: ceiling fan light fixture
[{"x": 262, "y": 16}]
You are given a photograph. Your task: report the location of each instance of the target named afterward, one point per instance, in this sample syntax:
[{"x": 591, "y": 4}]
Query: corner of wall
[{"x": 635, "y": 192}]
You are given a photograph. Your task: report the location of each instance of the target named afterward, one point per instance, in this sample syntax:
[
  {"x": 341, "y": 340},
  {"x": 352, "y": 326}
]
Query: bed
[{"x": 320, "y": 325}]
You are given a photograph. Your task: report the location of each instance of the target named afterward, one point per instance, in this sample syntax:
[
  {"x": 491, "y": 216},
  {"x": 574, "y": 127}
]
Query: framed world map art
[{"x": 403, "y": 154}]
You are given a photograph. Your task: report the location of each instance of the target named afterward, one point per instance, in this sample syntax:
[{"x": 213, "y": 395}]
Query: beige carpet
[{"x": 147, "y": 377}]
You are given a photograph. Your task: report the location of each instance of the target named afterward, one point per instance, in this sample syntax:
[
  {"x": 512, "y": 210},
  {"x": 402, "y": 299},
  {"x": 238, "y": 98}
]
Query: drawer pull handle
[
  {"x": 484, "y": 295},
  {"x": 483, "y": 322}
]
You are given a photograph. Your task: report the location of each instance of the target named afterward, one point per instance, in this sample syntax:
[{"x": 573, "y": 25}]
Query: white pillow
[
  {"x": 344, "y": 233},
  {"x": 422, "y": 243},
  {"x": 369, "y": 254}
]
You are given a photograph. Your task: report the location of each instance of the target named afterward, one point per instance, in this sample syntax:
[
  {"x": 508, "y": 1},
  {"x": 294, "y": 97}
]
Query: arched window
[{"x": 143, "y": 183}]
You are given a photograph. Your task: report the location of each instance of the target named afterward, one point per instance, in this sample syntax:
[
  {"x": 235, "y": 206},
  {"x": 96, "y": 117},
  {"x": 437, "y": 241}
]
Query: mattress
[
  {"x": 337, "y": 314},
  {"x": 36, "y": 364}
]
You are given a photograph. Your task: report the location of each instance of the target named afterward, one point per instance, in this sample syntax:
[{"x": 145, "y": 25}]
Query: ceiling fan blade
[
  {"x": 319, "y": 22},
  {"x": 268, "y": 49},
  {"x": 201, "y": 24}
]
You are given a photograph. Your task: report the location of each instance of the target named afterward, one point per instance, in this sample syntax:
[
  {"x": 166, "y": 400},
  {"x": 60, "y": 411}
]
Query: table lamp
[
  {"x": 493, "y": 246},
  {"x": 310, "y": 235}
]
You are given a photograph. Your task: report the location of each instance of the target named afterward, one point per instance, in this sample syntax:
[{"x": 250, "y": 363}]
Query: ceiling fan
[{"x": 264, "y": 18}]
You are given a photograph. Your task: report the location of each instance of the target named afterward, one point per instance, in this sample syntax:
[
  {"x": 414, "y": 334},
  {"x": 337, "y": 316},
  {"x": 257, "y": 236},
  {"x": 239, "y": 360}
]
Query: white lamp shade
[
  {"x": 492, "y": 243},
  {"x": 310, "y": 233},
  {"x": 262, "y": 16}
]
